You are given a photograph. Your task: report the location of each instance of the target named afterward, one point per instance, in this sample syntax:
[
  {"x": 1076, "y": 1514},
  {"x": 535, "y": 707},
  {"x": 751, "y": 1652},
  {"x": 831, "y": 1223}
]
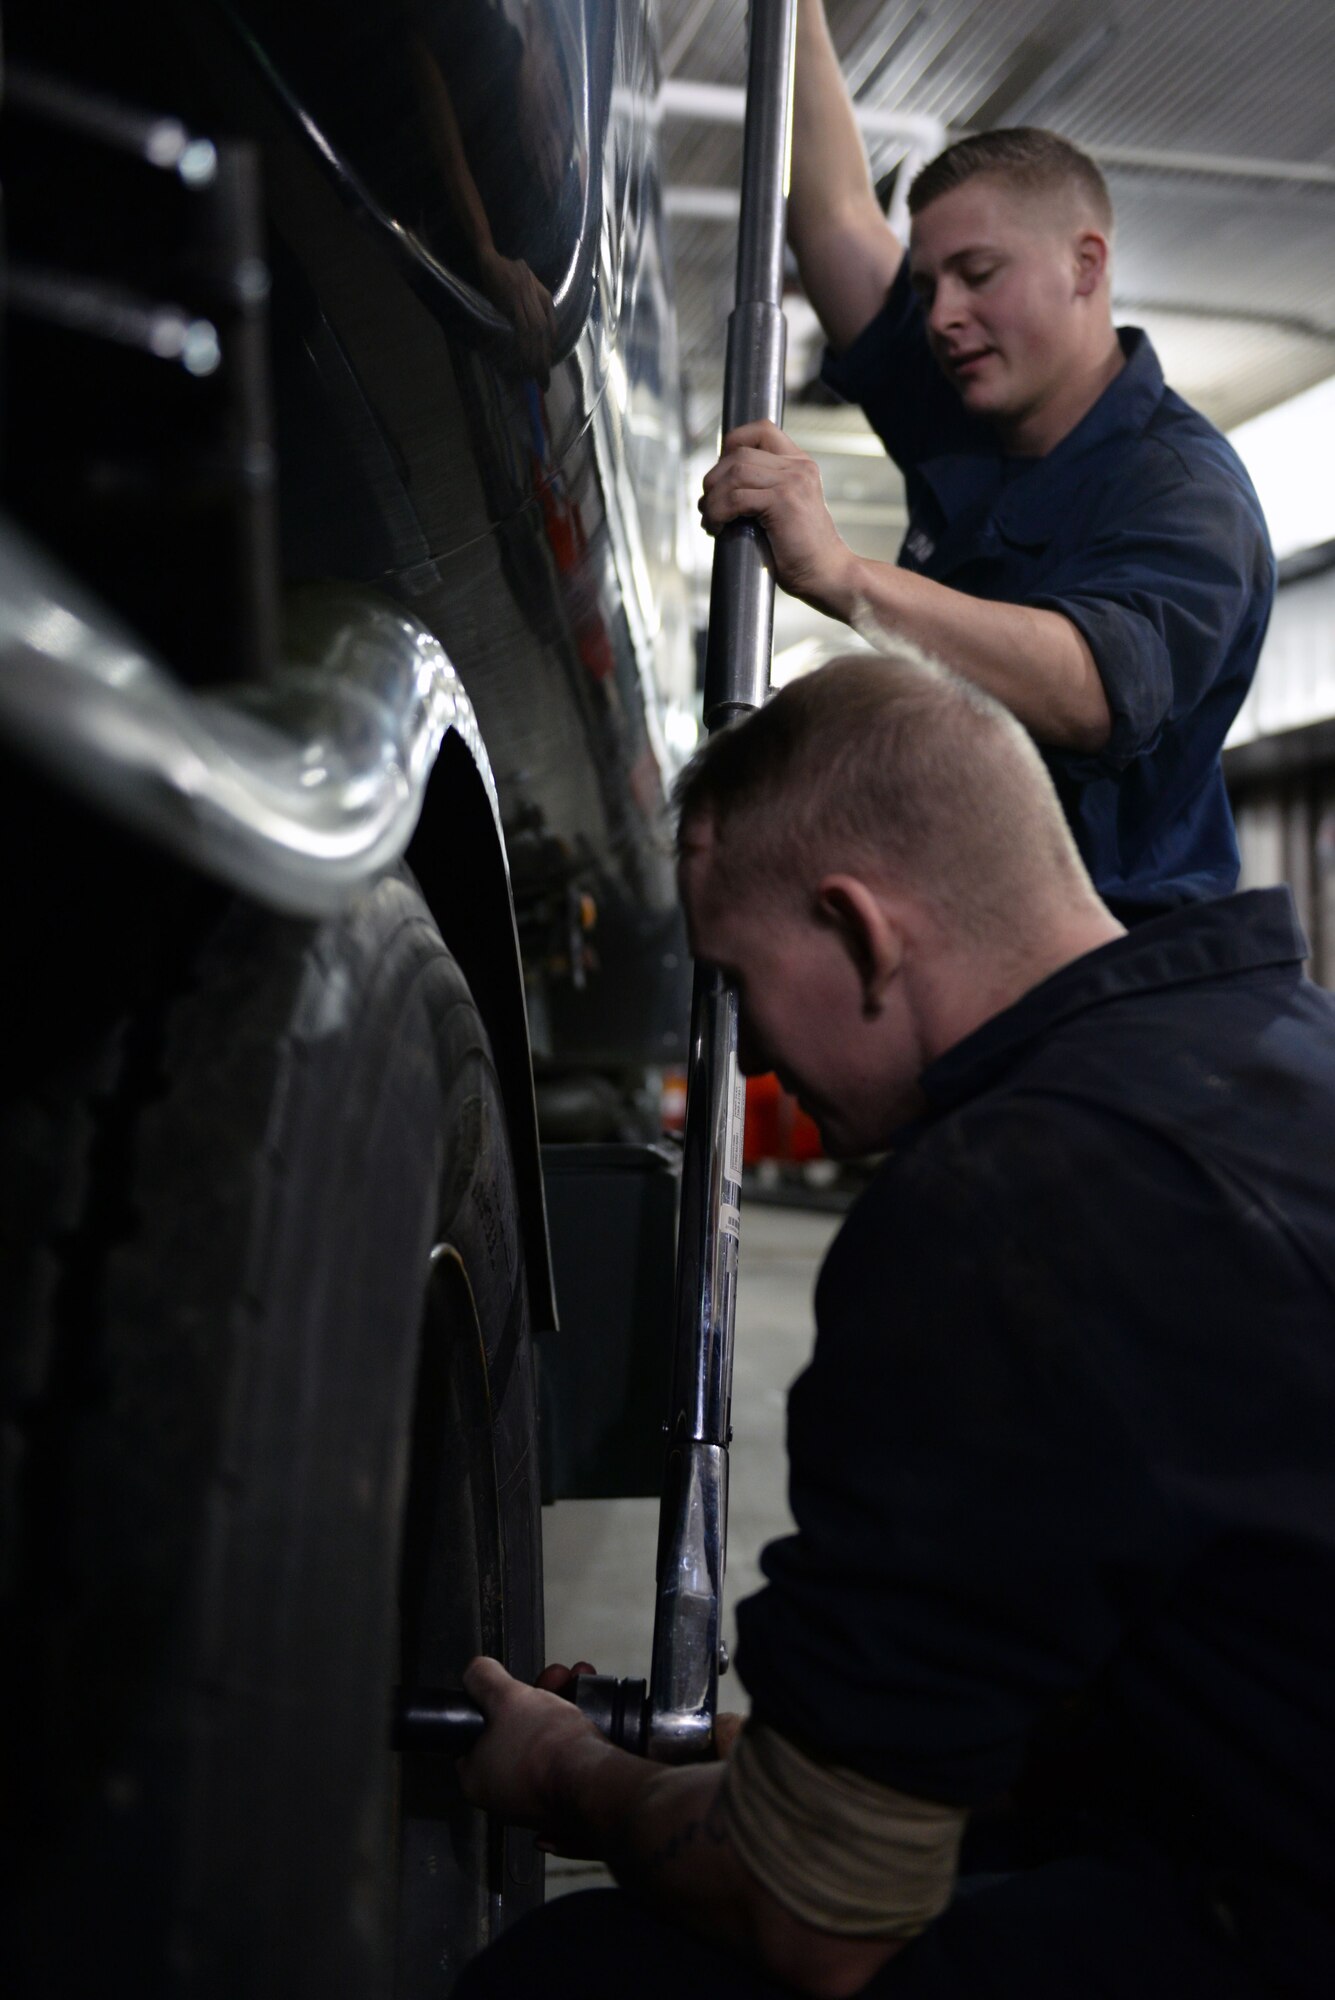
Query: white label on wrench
[
  {"x": 735, "y": 1134},
  {"x": 730, "y": 1221}
]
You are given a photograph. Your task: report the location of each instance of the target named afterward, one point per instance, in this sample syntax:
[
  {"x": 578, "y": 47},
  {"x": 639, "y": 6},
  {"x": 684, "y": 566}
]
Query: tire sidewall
[{"x": 224, "y": 1630}]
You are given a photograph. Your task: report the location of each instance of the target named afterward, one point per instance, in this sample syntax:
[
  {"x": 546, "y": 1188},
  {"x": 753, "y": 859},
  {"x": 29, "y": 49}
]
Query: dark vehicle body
[
  {"x": 521, "y": 497},
  {"x": 342, "y": 511}
]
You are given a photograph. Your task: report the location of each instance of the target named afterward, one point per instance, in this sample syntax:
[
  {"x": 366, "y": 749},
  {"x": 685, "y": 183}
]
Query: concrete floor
[{"x": 599, "y": 1554}]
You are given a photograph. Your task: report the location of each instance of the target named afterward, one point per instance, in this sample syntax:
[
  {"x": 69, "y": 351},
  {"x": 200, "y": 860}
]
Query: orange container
[{"x": 777, "y": 1128}]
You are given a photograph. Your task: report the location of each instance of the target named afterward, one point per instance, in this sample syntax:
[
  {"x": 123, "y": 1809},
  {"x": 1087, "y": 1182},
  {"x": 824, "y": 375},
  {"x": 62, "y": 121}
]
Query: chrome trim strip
[{"x": 296, "y": 790}]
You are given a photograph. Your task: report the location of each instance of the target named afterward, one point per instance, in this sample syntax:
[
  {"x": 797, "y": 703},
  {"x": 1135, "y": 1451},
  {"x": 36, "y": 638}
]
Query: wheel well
[{"x": 457, "y": 854}]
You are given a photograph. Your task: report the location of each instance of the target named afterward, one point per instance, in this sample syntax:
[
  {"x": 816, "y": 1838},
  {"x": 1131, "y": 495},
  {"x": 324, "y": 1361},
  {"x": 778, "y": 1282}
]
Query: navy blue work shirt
[
  {"x": 1143, "y": 529},
  {"x": 1067, "y": 1438}
]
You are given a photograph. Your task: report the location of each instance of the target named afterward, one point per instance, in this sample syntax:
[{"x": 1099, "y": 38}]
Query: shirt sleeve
[
  {"x": 889, "y": 371},
  {"x": 979, "y": 1520},
  {"x": 1160, "y": 589},
  {"x": 839, "y": 1851}
]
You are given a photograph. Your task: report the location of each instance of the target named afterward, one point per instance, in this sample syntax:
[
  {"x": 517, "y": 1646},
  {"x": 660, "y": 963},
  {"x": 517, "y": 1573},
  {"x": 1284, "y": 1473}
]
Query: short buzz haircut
[
  {"x": 888, "y": 765},
  {"x": 1033, "y": 161}
]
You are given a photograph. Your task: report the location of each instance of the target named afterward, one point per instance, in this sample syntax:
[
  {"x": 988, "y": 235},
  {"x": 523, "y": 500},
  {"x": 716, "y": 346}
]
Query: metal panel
[
  {"x": 1295, "y": 682},
  {"x": 1286, "y": 833},
  {"x": 612, "y": 1217}
]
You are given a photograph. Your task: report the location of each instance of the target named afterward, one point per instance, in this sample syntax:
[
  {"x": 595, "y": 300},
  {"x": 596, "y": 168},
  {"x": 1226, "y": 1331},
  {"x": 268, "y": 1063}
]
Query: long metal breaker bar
[{"x": 683, "y": 1685}]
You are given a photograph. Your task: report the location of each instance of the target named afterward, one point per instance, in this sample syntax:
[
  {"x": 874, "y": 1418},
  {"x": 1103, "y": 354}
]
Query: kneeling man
[{"x": 1043, "y": 1682}]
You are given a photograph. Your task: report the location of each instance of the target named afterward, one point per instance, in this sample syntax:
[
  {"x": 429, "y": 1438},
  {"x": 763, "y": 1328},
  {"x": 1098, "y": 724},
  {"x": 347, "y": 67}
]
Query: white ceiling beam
[
  {"x": 725, "y": 104},
  {"x": 1223, "y": 166},
  {"x": 701, "y": 204}
]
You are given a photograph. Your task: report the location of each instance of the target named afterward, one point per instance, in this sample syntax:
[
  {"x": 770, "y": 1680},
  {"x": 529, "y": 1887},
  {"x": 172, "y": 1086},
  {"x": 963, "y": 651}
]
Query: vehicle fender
[
  {"x": 296, "y": 790},
  {"x": 457, "y": 855}
]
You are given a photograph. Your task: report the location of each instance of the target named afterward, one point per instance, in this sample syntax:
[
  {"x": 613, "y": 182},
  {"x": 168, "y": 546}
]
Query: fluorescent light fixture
[{"x": 1290, "y": 453}]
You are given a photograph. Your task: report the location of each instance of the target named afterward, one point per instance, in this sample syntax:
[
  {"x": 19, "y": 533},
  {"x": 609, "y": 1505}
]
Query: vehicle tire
[{"x": 273, "y": 1453}]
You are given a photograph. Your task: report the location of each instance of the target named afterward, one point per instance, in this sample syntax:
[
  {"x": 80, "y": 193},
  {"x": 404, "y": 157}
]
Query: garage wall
[{"x": 1295, "y": 683}]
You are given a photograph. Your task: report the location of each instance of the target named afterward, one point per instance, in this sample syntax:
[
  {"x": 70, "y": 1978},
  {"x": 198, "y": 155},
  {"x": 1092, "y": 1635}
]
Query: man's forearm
[
  {"x": 1036, "y": 662},
  {"x": 660, "y": 1830},
  {"x": 663, "y": 1832},
  {"x": 846, "y": 253},
  {"x": 829, "y": 168},
  {"x": 1033, "y": 660}
]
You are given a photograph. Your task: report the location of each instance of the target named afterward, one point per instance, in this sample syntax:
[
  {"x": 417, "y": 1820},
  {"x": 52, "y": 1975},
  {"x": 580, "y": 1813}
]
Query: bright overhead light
[{"x": 1289, "y": 452}]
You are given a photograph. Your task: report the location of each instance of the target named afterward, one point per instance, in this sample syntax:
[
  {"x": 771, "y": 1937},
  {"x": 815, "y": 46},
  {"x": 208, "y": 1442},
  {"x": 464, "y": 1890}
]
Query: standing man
[
  {"x": 1062, "y": 1466},
  {"x": 1081, "y": 542}
]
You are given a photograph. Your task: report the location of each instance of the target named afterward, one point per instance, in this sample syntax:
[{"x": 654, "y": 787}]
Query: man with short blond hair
[
  {"x": 990, "y": 853},
  {"x": 1037, "y": 165},
  {"x": 1081, "y": 543},
  {"x": 1040, "y": 1683}
]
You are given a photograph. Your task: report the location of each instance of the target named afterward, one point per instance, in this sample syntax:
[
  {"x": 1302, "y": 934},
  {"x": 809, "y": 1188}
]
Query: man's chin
[
  {"x": 837, "y": 1145},
  {"x": 980, "y": 397},
  {"x": 849, "y": 1141}
]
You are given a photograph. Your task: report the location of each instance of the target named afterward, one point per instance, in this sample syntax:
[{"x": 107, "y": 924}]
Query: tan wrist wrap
[{"x": 840, "y": 1851}]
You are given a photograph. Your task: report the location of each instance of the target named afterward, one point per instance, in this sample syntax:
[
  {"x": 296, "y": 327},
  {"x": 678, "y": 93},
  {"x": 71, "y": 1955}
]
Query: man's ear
[
  {"x": 1091, "y": 261},
  {"x": 868, "y": 933}
]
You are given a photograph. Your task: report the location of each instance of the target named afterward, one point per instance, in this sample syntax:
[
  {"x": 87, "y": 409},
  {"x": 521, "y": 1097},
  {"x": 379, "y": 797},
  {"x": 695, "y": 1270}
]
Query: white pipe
[
  {"x": 1222, "y": 166},
  {"x": 725, "y": 104},
  {"x": 701, "y": 204}
]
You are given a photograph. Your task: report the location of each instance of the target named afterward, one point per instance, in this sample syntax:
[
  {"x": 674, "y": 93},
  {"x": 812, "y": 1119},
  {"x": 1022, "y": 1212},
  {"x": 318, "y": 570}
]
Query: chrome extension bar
[
  {"x": 674, "y": 1722},
  {"x": 683, "y": 1685}
]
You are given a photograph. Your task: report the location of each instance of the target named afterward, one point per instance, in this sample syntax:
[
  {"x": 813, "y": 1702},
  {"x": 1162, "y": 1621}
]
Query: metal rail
[
  {"x": 296, "y": 790},
  {"x": 683, "y": 1683}
]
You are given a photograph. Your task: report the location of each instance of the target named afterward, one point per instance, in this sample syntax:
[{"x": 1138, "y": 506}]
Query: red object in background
[
  {"x": 673, "y": 1101},
  {"x": 777, "y": 1128}
]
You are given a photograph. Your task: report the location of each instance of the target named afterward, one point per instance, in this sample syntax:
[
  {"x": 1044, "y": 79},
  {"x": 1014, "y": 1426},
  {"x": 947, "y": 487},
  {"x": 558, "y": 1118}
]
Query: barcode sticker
[
  {"x": 735, "y": 1136},
  {"x": 730, "y": 1221}
]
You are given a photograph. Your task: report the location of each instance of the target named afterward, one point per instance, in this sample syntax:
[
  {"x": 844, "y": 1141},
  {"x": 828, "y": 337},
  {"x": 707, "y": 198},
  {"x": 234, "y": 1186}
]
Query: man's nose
[{"x": 947, "y": 311}]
